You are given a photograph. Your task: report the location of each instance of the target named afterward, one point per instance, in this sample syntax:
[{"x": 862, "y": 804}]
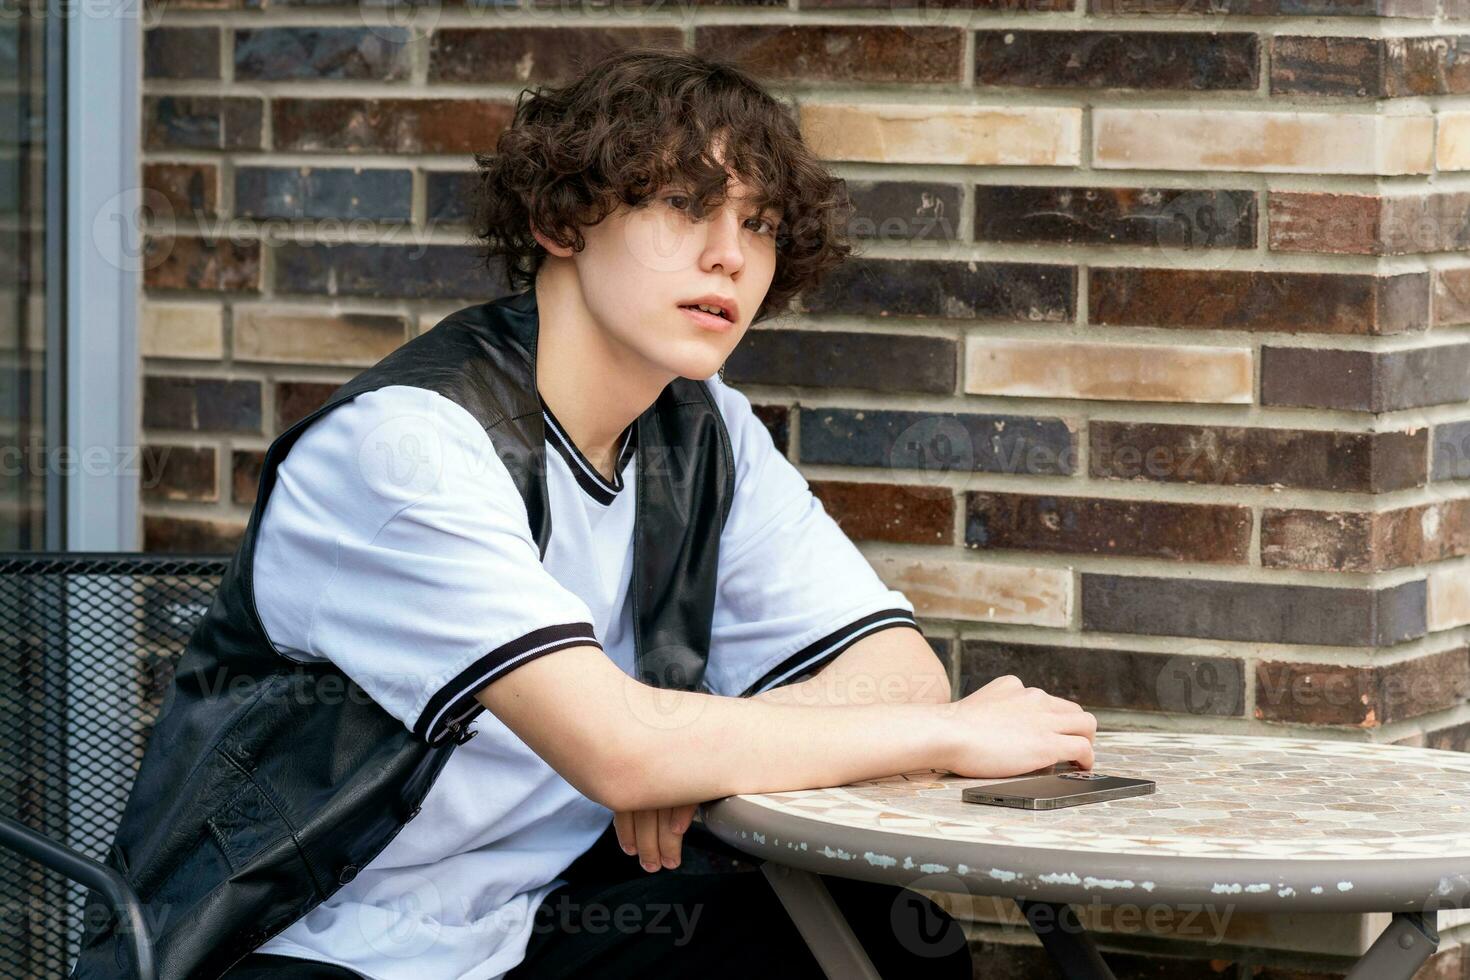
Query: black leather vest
[{"x": 267, "y": 783}]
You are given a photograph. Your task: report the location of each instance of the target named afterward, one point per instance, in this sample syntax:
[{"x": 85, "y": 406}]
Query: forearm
[
  {"x": 630, "y": 746},
  {"x": 721, "y": 746}
]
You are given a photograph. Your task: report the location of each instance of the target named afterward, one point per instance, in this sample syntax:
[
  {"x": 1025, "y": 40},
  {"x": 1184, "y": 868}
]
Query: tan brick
[
  {"x": 1449, "y": 598},
  {"x": 313, "y": 337},
  {"x": 1261, "y": 142},
  {"x": 1452, "y": 143},
  {"x": 1452, "y": 296},
  {"x": 1126, "y": 372},
  {"x": 193, "y": 330},
  {"x": 981, "y": 591},
  {"x": 1038, "y": 136}
]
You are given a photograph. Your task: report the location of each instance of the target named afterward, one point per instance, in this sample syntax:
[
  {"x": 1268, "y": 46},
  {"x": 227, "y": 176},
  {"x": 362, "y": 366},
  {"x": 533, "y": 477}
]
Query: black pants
[{"x": 613, "y": 919}]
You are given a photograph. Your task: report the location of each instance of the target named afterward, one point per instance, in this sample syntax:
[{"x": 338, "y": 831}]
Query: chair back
[{"x": 88, "y": 646}]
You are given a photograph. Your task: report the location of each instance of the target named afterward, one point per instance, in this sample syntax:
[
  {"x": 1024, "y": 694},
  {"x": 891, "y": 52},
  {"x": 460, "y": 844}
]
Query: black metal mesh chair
[{"x": 88, "y": 646}]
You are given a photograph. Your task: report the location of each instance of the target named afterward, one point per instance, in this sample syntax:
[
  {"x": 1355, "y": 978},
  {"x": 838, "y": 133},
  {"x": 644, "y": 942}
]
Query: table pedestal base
[
  {"x": 820, "y": 922},
  {"x": 1069, "y": 945},
  {"x": 1395, "y": 955},
  {"x": 1399, "y": 950}
]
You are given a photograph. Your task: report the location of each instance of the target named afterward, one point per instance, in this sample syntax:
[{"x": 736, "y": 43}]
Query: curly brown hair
[{"x": 645, "y": 118}]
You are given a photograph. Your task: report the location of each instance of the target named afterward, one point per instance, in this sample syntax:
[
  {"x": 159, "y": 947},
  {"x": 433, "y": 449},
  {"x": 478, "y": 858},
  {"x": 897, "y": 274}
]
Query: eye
[
  {"x": 765, "y": 221},
  {"x": 672, "y": 198}
]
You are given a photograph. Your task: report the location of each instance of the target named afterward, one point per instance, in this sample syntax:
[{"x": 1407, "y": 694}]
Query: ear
[{"x": 560, "y": 251}]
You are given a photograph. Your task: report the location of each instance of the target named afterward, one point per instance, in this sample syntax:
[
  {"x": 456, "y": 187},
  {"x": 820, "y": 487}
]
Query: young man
[{"x": 396, "y": 546}]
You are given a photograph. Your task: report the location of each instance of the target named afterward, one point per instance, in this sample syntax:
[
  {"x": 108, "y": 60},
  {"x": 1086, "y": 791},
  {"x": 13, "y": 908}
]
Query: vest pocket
[
  {"x": 244, "y": 839},
  {"x": 252, "y": 832}
]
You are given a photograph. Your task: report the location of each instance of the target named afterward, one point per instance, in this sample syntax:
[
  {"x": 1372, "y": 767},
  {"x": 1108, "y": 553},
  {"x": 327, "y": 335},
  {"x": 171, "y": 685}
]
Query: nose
[{"x": 722, "y": 247}]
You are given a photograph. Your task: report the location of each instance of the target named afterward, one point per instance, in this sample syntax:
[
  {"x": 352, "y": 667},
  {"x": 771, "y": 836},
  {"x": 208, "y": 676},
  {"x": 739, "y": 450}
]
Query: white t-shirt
[{"x": 395, "y": 545}]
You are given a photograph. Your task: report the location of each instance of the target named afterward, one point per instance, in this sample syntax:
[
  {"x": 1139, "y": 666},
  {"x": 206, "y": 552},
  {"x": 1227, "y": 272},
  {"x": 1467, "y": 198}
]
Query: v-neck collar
[{"x": 591, "y": 481}]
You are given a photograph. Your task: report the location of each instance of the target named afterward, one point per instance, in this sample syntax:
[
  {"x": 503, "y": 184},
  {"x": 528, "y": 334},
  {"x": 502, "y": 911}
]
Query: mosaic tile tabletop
[{"x": 1219, "y": 796}]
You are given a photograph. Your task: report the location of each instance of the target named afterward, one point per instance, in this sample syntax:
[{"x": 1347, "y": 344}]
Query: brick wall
[{"x": 1150, "y": 381}]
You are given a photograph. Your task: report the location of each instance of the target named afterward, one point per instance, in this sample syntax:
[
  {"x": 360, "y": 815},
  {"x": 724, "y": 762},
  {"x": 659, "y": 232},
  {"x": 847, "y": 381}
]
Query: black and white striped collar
[{"x": 586, "y": 474}]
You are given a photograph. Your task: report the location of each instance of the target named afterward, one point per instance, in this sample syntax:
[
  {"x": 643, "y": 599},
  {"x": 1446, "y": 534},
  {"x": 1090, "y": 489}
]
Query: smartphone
[{"x": 1051, "y": 792}]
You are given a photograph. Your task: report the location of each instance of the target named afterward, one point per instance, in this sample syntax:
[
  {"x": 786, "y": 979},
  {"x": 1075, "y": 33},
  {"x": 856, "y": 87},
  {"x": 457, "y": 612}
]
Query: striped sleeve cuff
[
  {"x": 817, "y": 654},
  {"x": 455, "y": 702}
]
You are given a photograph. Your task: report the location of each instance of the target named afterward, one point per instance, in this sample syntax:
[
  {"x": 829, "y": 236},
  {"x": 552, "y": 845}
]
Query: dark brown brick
[
  {"x": 841, "y": 359},
  {"x": 449, "y": 195},
  {"x": 297, "y": 399},
  {"x": 903, "y": 210},
  {"x": 201, "y": 404},
  {"x": 376, "y": 193},
  {"x": 937, "y": 442},
  {"x": 1292, "y": 302},
  {"x": 181, "y": 535},
  {"x": 388, "y": 270},
  {"x": 201, "y": 122},
  {"x": 181, "y": 52},
  {"x": 1452, "y": 451},
  {"x": 1455, "y": 738},
  {"x": 1236, "y": 455},
  {"x": 245, "y": 467},
  {"x": 1365, "y": 541},
  {"x": 841, "y": 53},
  {"x": 1365, "y": 381},
  {"x": 378, "y": 53},
  {"x": 396, "y": 126},
  {"x": 1339, "y": 224},
  {"x": 179, "y": 473},
  {"x": 190, "y": 190},
  {"x": 601, "y": 6},
  {"x": 1006, "y": 6},
  {"x": 1173, "y": 218},
  {"x": 1216, "y": 533},
  {"x": 1362, "y": 696},
  {"x": 943, "y": 648},
  {"x": 1124, "y": 680},
  {"x": 544, "y": 55},
  {"x": 1191, "y": 61},
  {"x": 190, "y": 262},
  {"x": 1253, "y": 612},
  {"x": 1370, "y": 67},
  {"x": 1351, "y": 66},
  {"x": 1366, "y": 224},
  {"x": 1269, "y": 8},
  {"x": 970, "y": 290},
  {"x": 910, "y": 513},
  {"x": 777, "y": 420},
  {"x": 159, "y": 6}
]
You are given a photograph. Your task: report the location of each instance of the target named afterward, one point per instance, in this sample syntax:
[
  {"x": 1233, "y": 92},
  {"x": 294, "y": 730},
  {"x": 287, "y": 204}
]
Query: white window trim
[{"x": 103, "y": 257}]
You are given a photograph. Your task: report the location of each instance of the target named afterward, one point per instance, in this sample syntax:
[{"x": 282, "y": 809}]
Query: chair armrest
[{"x": 79, "y": 868}]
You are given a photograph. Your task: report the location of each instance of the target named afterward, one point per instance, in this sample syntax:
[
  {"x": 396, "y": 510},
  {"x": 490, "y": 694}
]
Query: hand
[
  {"x": 1006, "y": 729},
  {"x": 656, "y": 836}
]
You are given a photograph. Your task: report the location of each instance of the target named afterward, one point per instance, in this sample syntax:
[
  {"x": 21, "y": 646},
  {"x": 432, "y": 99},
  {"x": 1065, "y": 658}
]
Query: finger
[
  {"x": 1082, "y": 723},
  {"x": 623, "y": 827},
  {"x": 669, "y": 840},
  {"x": 684, "y": 816},
  {"x": 645, "y": 823},
  {"x": 1078, "y": 749}
]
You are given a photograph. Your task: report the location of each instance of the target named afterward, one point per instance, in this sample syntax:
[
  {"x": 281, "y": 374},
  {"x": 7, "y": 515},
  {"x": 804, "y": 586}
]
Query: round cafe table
[{"x": 1265, "y": 824}]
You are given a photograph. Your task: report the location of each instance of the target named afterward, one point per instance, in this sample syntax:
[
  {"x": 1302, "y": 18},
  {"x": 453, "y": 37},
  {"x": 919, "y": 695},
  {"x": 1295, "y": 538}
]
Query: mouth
[{"x": 710, "y": 321}]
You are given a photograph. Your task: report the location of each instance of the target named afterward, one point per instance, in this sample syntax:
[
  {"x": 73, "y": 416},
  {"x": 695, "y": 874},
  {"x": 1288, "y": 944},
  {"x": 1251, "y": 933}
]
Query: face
[{"x": 642, "y": 265}]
